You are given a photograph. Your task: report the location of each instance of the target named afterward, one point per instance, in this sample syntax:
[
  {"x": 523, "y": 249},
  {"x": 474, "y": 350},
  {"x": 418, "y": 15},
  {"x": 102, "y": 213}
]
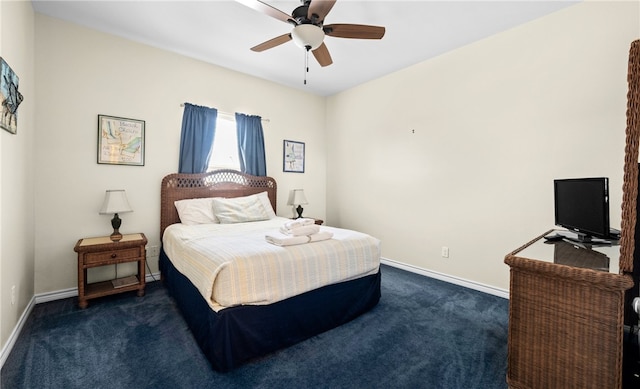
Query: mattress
[{"x": 233, "y": 264}]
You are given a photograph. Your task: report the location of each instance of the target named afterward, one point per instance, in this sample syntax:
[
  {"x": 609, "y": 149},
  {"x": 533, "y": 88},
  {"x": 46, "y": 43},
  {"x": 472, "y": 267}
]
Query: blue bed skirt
[{"x": 236, "y": 335}]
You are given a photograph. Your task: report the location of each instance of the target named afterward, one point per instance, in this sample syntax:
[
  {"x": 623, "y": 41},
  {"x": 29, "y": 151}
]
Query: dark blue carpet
[{"x": 424, "y": 333}]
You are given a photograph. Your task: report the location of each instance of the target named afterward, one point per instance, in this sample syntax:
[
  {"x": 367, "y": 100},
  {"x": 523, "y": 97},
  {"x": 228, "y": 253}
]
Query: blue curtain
[
  {"x": 251, "y": 145},
  {"x": 196, "y": 140}
]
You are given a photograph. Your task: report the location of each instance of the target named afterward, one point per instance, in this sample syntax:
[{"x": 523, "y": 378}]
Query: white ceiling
[{"x": 221, "y": 32}]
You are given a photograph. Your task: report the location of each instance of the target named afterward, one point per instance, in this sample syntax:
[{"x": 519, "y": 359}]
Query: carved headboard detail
[{"x": 218, "y": 183}]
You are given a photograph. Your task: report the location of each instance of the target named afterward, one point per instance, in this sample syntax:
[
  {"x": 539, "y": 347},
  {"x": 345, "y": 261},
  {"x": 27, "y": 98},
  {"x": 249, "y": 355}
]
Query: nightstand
[{"x": 101, "y": 251}]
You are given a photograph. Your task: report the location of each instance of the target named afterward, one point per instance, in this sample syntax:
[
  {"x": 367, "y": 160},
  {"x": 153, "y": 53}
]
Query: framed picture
[
  {"x": 293, "y": 156},
  {"x": 120, "y": 141},
  {"x": 10, "y": 98}
]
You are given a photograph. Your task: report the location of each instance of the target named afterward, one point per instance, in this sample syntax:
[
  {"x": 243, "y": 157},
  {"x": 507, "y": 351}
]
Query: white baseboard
[
  {"x": 447, "y": 278},
  {"x": 57, "y": 295},
  {"x": 6, "y": 350},
  {"x": 43, "y": 298}
]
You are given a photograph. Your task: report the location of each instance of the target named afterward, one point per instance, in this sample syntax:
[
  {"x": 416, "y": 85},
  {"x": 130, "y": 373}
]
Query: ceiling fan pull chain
[{"x": 306, "y": 63}]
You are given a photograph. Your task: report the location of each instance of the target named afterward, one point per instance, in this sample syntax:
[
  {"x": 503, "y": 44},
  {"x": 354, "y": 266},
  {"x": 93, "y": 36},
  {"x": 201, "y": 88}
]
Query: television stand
[{"x": 584, "y": 239}]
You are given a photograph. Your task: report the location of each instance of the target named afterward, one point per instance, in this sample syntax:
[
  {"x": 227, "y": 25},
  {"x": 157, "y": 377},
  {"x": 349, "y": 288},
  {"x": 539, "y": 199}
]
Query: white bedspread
[{"x": 233, "y": 264}]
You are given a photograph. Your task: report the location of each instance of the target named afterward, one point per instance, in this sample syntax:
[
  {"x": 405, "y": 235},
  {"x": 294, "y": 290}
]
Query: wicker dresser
[{"x": 565, "y": 316}]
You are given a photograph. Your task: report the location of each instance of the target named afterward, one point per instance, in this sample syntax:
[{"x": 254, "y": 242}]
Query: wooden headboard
[{"x": 218, "y": 183}]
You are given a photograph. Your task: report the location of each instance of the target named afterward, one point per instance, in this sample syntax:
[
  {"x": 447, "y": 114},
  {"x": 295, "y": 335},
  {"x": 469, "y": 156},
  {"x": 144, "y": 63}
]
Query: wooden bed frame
[{"x": 236, "y": 335}]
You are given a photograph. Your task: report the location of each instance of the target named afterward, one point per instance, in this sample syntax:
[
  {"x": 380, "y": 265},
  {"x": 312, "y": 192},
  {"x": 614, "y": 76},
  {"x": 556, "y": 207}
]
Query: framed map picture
[
  {"x": 120, "y": 141},
  {"x": 10, "y": 98},
  {"x": 293, "y": 157}
]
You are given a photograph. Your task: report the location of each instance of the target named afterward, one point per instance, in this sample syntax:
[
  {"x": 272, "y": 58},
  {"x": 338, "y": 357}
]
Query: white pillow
[
  {"x": 264, "y": 198},
  {"x": 196, "y": 211},
  {"x": 240, "y": 209}
]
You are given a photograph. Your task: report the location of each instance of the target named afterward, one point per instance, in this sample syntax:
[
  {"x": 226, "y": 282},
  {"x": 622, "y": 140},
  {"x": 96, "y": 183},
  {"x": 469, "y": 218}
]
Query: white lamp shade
[
  {"x": 304, "y": 35},
  {"x": 297, "y": 197},
  {"x": 115, "y": 201}
]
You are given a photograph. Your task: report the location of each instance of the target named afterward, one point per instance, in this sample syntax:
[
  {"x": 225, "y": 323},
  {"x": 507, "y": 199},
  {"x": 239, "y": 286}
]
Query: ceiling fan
[{"x": 309, "y": 29}]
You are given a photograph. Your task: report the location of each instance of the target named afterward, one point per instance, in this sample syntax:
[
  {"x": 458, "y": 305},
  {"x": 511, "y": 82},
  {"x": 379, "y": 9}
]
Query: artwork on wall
[
  {"x": 10, "y": 97},
  {"x": 293, "y": 156},
  {"x": 120, "y": 141}
]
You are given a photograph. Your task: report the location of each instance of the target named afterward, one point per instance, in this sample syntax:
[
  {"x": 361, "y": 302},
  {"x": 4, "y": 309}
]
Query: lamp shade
[
  {"x": 297, "y": 197},
  {"x": 115, "y": 201},
  {"x": 304, "y": 35}
]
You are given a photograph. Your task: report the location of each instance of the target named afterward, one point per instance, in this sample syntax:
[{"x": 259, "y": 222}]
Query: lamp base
[
  {"x": 299, "y": 209},
  {"x": 115, "y": 223},
  {"x": 116, "y": 236}
]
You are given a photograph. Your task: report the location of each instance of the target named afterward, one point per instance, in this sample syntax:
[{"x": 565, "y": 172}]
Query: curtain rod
[{"x": 231, "y": 115}]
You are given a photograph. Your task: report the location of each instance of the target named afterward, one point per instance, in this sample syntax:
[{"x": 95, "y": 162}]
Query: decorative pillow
[
  {"x": 196, "y": 211},
  {"x": 239, "y": 209}
]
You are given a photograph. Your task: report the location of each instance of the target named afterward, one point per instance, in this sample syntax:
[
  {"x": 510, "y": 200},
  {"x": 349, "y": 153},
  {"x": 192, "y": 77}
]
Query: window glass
[{"x": 225, "y": 146}]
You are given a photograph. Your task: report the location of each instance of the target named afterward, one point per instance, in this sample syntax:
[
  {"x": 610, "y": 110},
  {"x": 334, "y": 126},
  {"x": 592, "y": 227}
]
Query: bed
[{"x": 233, "y": 331}]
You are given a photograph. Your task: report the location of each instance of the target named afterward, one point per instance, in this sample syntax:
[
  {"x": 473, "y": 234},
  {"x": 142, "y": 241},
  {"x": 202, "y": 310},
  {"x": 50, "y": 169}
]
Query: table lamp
[
  {"x": 115, "y": 201},
  {"x": 297, "y": 197}
]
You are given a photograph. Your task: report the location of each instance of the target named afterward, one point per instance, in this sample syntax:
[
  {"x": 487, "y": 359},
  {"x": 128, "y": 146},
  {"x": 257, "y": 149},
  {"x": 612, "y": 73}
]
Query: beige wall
[
  {"x": 495, "y": 122},
  {"x": 16, "y": 170},
  {"x": 82, "y": 73}
]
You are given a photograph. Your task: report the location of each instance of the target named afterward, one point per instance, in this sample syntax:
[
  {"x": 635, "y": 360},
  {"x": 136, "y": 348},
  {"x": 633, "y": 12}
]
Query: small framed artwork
[
  {"x": 120, "y": 141},
  {"x": 10, "y": 98},
  {"x": 293, "y": 156}
]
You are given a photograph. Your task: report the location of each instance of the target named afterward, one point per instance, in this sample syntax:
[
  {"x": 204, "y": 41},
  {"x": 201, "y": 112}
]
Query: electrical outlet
[
  {"x": 153, "y": 251},
  {"x": 445, "y": 252},
  {"x": 13, "y": 295}
]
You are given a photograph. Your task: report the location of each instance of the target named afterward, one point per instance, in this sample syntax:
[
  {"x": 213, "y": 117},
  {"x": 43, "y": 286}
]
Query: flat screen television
[{"x": 582, "y": 206}]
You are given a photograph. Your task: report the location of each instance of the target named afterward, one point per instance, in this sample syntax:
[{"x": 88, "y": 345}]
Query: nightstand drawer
[{"x": 112, "y": 255}]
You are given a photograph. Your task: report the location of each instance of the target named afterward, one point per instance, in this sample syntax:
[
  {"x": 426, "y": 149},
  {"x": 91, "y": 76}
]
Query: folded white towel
[
  {"x": 298, "y": 231},
  {"x": 280, "y": 239},
  {"x": 303, "y": 221}
]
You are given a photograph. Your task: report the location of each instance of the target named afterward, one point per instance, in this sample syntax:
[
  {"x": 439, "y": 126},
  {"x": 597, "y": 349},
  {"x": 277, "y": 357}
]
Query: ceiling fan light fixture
[{"x": 307, "y": 35}]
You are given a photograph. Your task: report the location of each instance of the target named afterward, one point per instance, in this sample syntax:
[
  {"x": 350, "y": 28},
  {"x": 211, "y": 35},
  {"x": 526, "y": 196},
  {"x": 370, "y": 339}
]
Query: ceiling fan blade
[
  {"x": 271, "y": 43},
  {"x": 266, "y": 9},
  {"x": 322, "y": 55},
  {"x": 358, "y": 31},
  {"x": 319, "y": 8}
]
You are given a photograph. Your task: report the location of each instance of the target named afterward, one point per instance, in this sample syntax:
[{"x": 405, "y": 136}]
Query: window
[{"x": 225, "y": 146}]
